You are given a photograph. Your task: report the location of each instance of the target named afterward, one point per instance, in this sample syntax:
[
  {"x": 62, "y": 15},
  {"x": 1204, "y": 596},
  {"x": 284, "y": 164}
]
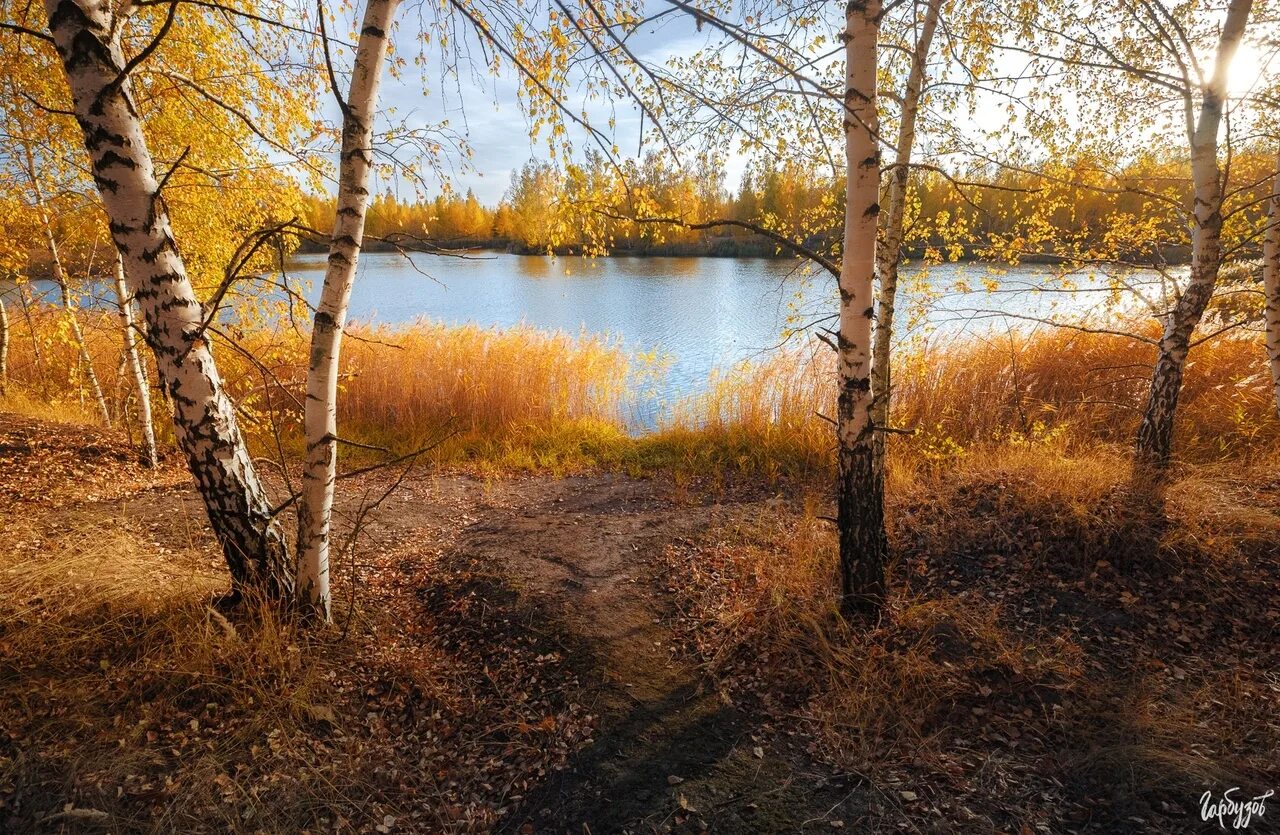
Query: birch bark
[
  {"x": 1271, "y": 284},
  {"x": 890, "y": 253},
  {"x": 88, "y": 43},
  {"x": 64, "y": 290},
  {"x": 320, "y": 420},
  {"x": 134, "y": 363},
  {"x": 860, "y": 489},
  {"x": 4, "y": 349},
  {"x": 1155, "y": 434},
  {"x": 86, "y": 361}
]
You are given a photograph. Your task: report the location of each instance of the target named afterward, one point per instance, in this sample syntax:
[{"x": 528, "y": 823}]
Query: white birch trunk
[
  {"x": 1271, "y": 284},
  {"x": 36, "y": 352},
  {"x": 860, "y": 491},
  {"x": 1155, "y": 435},
  {"x": 204, "y": 417},
  {"x": 320, "y": 421},
  {"x": 134, "y": 364},
  {"x": 64, "y": 290},
  {"x": 77, "y": 334},
  {"x": 4, "y": 349},
  {"x": 892, "y": 229}
]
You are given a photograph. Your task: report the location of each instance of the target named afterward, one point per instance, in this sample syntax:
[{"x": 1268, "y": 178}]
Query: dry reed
[{"x": 526, "y": 399}]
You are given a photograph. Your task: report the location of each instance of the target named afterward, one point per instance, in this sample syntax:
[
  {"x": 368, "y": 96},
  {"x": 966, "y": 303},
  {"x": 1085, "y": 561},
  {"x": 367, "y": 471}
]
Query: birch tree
[
  {"x": 321, "y": 410},
  {"x": 87, "y": 37},
  {"x": 1155, "y": 435},
  {"x": 133, "y": 363},
  {"x": 1137, "y": 67},
  {"x": 1271, "y": 283},
  {"x": 860, "y": 488},
  {"x": 63, "y": 282},
  {"x": 893, "y": 226}
]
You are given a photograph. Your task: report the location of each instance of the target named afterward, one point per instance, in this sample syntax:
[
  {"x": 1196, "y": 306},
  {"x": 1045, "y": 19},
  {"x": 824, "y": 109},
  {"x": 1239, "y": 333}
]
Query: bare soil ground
[
  {"x": 562, "y": 703},
  {"x": 602, "y": 654}
]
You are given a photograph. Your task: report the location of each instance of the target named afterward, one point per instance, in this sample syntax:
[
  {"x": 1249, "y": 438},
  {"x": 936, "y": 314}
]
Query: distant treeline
[{"x": 1040, "y": 213}]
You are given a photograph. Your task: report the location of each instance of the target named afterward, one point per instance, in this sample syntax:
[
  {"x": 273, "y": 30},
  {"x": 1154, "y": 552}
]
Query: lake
[
  {"x": 698, "y": 313},
  {"x": 703, "y": 313}
]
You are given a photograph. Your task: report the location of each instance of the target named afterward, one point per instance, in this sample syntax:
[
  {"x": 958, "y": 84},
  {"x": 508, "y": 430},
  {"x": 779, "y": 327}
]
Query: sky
[{"x": 486, "y": 111}]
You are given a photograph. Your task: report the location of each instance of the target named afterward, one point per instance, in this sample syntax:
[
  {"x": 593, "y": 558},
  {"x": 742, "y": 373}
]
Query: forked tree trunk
[
  {"x": 1155, "y": 434},
  {"x": 134, "y": 364},
  {"x": 1271, "y": 284},
  {"x": 860, "y": 490},
  {"x": 316, "y": 507},
  {"x": 892, "y": 230},
  {"x": 204, "y": 417}
]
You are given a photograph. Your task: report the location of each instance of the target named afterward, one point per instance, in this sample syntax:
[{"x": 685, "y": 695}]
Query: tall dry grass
[
  {"x": 528, "y": 399},
  {"x": 1067, "y": 388}
]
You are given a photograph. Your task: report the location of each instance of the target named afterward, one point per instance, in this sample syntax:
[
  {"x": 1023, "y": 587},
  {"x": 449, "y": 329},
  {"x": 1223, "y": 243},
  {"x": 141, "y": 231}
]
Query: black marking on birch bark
[
  {"x": 86, "y": 50},
  {"x": 68, "y": 12},
  {"x": 338, "y": 257},
  {"x": 870, "y": 162},
  {"x": 105, "y": 184},
  {"x": 870, "y": 312},
  {"x": 150, "y": 256},
  {"x": 345, "y": 240},
  {"x": 355, "y": 153},
  {"x": 110, "y": 158},
  {"x": 348, "y": 211},
  {"x": 97, "y": 135},
  {"x": 373, "y": 31}
]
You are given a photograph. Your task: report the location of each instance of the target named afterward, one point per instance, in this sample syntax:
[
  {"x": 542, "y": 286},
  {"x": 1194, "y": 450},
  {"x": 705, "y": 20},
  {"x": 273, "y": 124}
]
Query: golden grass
[
  {"x": 956, "y": 663},
  {"x": 520, "y": 398},
  {"x": 113, "y": 669}
]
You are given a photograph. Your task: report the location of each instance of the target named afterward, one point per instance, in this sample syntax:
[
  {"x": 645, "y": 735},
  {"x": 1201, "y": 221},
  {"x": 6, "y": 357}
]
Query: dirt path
[
  {"x": 669, "y": 754},
  {"x": 584, "y": 556}
]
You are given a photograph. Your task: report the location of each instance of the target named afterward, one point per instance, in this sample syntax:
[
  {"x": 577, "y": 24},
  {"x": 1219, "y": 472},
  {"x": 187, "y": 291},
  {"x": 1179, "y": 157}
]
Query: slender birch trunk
[
  {"x": 36, "y": 351},
  {"x": 140, "y": 384},
  {"x": 321, "y": 412},
  {"x": 1271, "y": 283},
  {"x": 1155, "y": 435},
  {"x": 204, "y": 418},
  {"x": 860, "y": 490},
  {"x": 4, "y": 349},
  {"x": 890, "y": 252},
  {"x": 64, "y": 289},
  {"x": 77, "y": 334}
]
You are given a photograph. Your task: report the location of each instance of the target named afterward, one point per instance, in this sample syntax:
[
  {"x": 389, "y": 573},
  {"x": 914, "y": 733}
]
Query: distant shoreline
[{"x": 716, "y": 248}]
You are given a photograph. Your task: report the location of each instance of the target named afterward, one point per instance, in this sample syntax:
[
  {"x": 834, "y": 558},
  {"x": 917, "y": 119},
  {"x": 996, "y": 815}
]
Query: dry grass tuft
[{"x": 125, "y": 693}]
